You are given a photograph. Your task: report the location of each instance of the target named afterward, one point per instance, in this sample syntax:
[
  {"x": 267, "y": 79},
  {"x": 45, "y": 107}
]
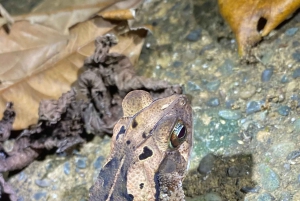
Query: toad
[{"x": 150, "y": 150}]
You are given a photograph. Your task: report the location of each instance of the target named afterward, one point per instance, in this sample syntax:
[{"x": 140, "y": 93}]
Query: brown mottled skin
[{"x": 143, "y": 164}]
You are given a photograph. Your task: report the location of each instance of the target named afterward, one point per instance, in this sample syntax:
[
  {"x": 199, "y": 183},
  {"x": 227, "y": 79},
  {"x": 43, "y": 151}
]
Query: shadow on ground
[{"x": 229, "y": 178}]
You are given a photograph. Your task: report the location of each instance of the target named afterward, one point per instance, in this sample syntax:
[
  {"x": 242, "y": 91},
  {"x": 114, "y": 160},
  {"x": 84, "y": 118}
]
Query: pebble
[
  {"x": 248, "y": 92},
  {"x": 43, "y": 182},
  {"x": 98, "y": 162},
  {"x": 284, "y": 79},
  {"x": 296, "y": 44},
  {"x": 229, "y": 103},
  {"x": 293, "y": 155},
  {"x": 265, "y": 197},
  {"x": 267, "y": 74},
  {"x": 177, "y": 64},
  {"x": 296, "y": 56},
  {"x": 282, "y": 149},
  {"x": 206, "y": 164},
  {"x": 230, "y": 114},
  {"x": 287, "y": 166},
  {"x": 22, "y": 176},
  {"x": 213, "y": 102},
  {"x": 237, "y": 171},
  {"x": 67, "y": 168},
  {"x": 226, "y": 67},
  {"x": 212, "y": 197},
  {"x": 213, "y": 85},
  {"x": 81, "y": 163},
  {"x": 286, "y": 196},
  {"x": 263, "y": 136},
  {"x": 268, "y": 178},
  {"x": 39, "y": 195},
  {"x": 192, "y": 86},
  {"x": 297, "y": 125},
  {"x": 252, "y": 107},
  {"x": 194, "y": 35},
  {"x": 284, "y": 110},
  {"x": 248, "y": 189},
  {"x": 296, "y": 73},
  {"x": 291, "y": 31}
]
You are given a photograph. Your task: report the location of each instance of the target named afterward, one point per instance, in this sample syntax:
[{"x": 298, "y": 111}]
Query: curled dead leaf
[{"x": 251, "y": 20}]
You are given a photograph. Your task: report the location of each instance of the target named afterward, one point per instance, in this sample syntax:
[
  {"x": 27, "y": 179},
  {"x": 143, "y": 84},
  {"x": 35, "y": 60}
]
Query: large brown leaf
[
  {"x": 38, "y": 62},
  {"x": 61, "y": 15},
  {"x": 245, "y": 16}
]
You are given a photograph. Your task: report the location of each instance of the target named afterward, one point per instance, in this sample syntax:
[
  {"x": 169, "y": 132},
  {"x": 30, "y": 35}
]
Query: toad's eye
[{"x": 178, "y": 134}]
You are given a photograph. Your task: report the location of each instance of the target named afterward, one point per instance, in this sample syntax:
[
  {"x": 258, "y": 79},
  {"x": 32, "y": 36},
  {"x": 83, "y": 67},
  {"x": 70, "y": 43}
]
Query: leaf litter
[{"x": 39, "y": 62}]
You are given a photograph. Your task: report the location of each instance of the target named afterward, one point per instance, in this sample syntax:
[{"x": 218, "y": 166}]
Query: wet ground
[{"x": 246, "y": 115}]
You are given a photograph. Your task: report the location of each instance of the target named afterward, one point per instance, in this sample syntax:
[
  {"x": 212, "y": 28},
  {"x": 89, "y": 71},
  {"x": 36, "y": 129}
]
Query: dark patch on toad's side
[
  {"x": 134, "y": 123},
  {"x": 146, "y": 153},
  {"x": 122, "y": 131}
]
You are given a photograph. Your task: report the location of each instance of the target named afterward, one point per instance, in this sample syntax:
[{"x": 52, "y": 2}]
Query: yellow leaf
[{"x": 252, "y": 19}]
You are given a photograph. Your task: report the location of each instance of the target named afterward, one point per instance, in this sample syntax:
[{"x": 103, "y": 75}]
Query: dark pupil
[{"x": 181, "y": 133}]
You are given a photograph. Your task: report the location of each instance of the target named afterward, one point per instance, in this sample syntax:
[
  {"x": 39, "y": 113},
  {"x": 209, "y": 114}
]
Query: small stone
[
  {"x": 43, "y": 182},
  {"x": 81, "y": 163},
  {"x": 206, "y": 164},
  {"x": 177, "y": 64},
  {"x": 286, "y": 196},
  {"x": 266, "y": 75},
  {"x": 293, "y": 155},
  {"x": 265, "y": 197},
  {"x": 192, "y": 86},
  {"x": 247, "y": 189},
  {"x": 287, "y": 166},
  {"x": 229, "y": 103},
  {"x": 212, "y": 197},
  {"x": 296, "y": 44},
  {"x": 194, "y": 35},
  {"x": 230, "y": 114},
  {"x": 248, "y": 92},
  {"x": 39, "y": 195},
  {"x": 98, "y": 162},
  {"x": 226, "y": 67},
  {"x": 284, "y": 79},
  {"x": 252, "y": 107},
  {"x": 67, "y": 168},
  {"x": 282, "y": 149},
  {"x": 284, "y": 110},
  {"x": 297, "y": 125},
  {"x": 213, "y": 102},
  {"x": 263, "y": 136},
  {"x": 296, "y": 73},
  {"x": 296, "y": 56},
  {"x": 291, "y": 31},
  {"x": 268, "y": 178},
  {"x": 237, "y": 171},
  {"x": 213, "y": 85},
  {"x": 22, "y": 176}
]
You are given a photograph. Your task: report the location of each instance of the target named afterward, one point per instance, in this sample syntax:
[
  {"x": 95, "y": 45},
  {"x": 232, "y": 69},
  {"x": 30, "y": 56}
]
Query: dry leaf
[
  {"x": 245, "y": 18},
  {"x": 61, "y": 15}
]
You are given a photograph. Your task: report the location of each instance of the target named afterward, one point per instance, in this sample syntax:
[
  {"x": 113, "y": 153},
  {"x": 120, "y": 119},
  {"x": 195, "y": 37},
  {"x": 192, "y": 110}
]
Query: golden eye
[{"x": 178, "y": 134}]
